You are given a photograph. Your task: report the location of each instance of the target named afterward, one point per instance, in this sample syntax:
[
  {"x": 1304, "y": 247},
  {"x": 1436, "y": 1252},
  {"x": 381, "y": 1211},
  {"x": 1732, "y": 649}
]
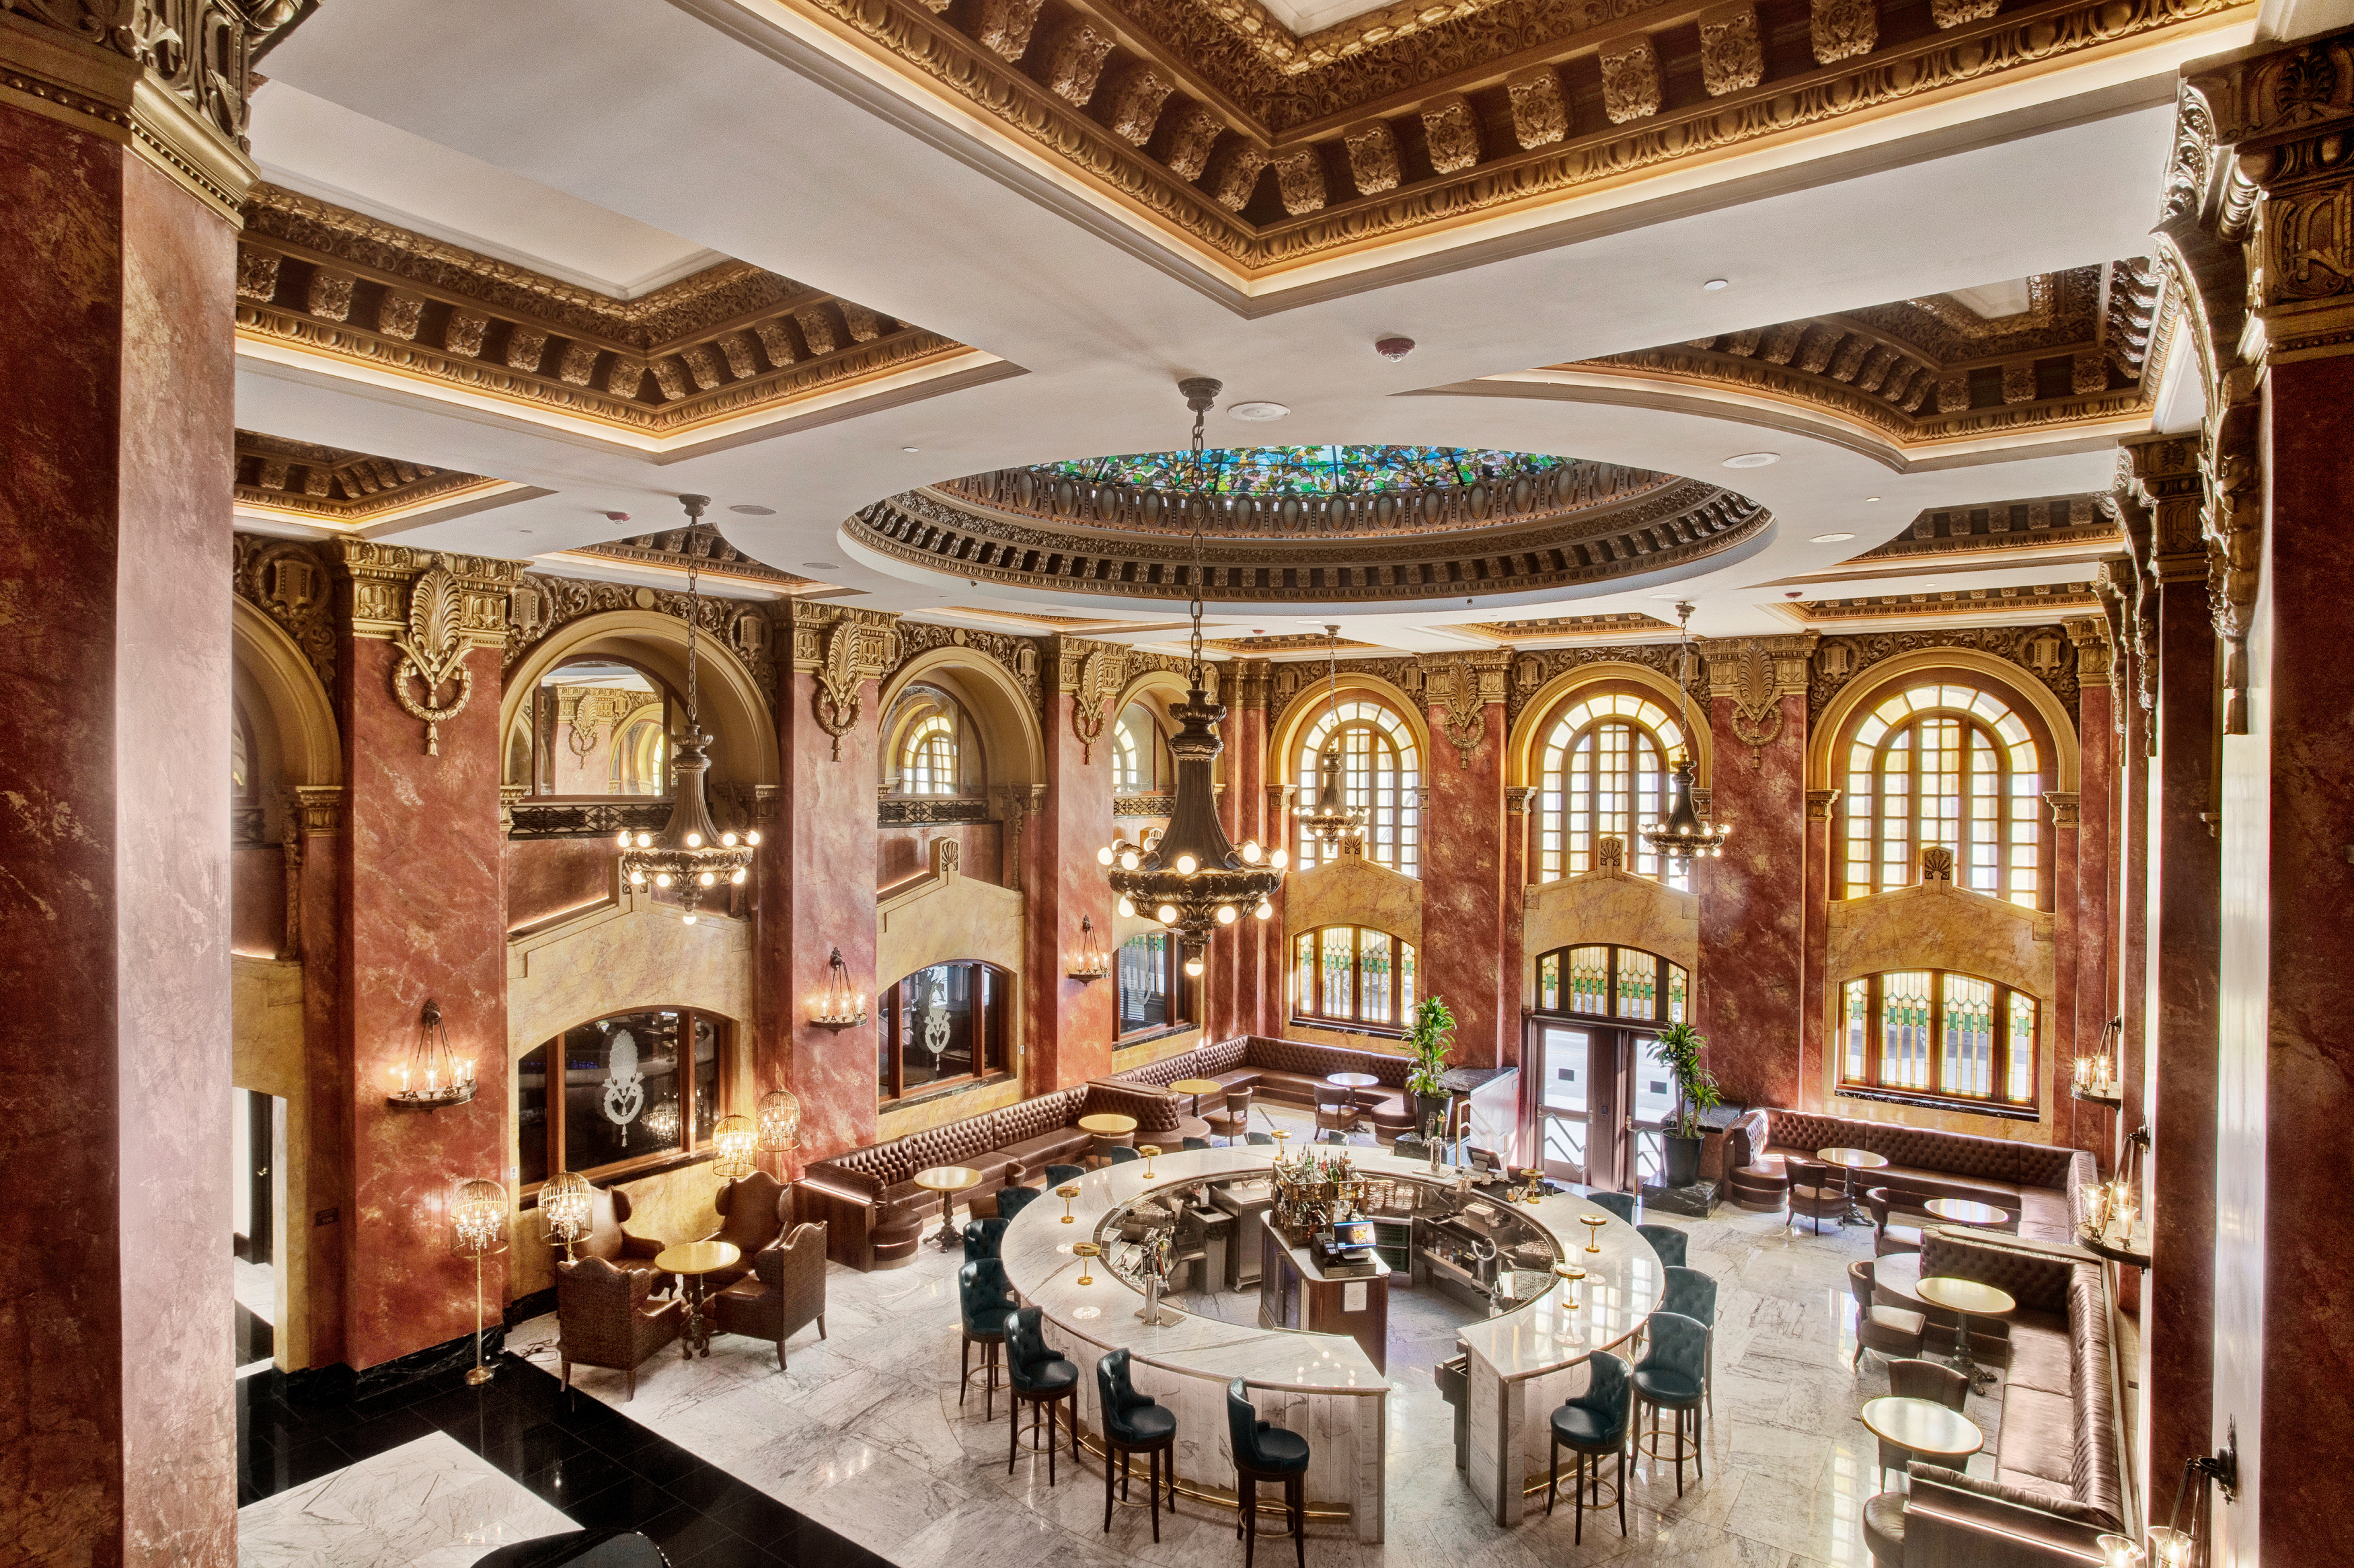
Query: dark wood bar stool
[
  {"x": 1265, "y": 1453},
  {"x": 1134, "y": 1424}
]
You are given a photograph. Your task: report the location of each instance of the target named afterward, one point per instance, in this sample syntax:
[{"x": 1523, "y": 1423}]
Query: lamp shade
[
  {"x": 478, "y": 1219},
  {"x": 780, "y": 1121},
  {"x": 565, "y": 1204},
  {"x": 735, "y": 1148}
]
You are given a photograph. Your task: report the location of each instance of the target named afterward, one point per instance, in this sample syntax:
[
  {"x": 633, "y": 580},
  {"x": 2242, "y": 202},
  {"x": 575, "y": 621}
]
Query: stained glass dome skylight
[{"x": 1309, "y": 471}]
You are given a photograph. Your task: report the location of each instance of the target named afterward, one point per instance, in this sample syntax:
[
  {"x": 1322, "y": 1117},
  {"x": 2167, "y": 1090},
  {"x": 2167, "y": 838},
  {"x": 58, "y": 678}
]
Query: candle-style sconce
[
  {"x": 1092, "y": 963},
  {"x": 434, "y": 1075},
  {"x": 839, "y": 1008}
]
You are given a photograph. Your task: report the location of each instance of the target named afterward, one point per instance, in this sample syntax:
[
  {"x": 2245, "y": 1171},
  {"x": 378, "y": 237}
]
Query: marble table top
[{"x": 1623, "y": 1283}]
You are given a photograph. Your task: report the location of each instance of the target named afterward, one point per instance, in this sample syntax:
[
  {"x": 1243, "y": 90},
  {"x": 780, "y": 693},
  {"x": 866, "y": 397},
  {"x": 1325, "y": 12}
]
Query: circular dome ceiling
[{"x": 1310, "y": 524}]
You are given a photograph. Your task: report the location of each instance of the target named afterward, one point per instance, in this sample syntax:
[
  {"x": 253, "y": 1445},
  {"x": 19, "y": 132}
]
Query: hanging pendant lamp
[
  {"x": 1685, "y": 836},
  {"x": 1193, "y": 880},
  {"x": 691, "y": 854},
  {"x": 1331, "y": 820}
]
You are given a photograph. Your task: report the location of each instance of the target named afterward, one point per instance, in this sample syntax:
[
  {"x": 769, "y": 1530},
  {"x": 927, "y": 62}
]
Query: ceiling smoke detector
[
  {"x": 1753, "y": 459},
  {"x": 1393, "y": 348},
  {"x": 1259, "y": 413}
]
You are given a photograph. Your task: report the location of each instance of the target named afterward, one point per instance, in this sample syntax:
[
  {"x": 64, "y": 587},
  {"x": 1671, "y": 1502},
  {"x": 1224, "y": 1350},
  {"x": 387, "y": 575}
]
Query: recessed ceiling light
[
  {"x": 909, "y": 449},
  {"x": 1753, "y": 459},
  {"x": 822, "y": 565},
  {"x": 1259, "y": 413},
  {"x": 1678, "y": 594},
  {"x": 1871, "y": 498},
  {"x": 753, "y": 511},
  {"x": 1831, "y": 538},
  {"x": 1714, "y": 284}
]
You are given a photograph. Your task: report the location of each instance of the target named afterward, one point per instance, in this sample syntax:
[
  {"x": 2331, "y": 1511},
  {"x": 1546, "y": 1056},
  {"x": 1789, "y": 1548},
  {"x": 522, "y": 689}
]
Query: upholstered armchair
[
  {"x": 1814, "y": 1194},
  {"x": 604, "y": 1319},
  {"x": 608, "y": 1237},
  {"x": 1894, "y": 1332},
  {"x": 1228, "y": 1122},
  {"x": 783, "y": 1294},
  {"x": 752, "y": 1214}
]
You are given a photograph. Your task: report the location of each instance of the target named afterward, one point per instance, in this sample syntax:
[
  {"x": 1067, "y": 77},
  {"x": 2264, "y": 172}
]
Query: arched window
[
  {"x": 1381, "y": 773},
  {"x": 1139, "y": 753},
  {"x": 945, "y": 1023},
  {"x": 1604, "y": 773},
  {"x": 1950, "y": 765},
  {"x": 1352, "y": 974},
  {"x": 930, "y": 746},
  {"x": 1153, "y": 993},
  {"x": 621, "y": 1093},
  {"x": 1936, "y": 1035},
  {"x": 1606, "y": 981},
  {"x": 599, "y": 727}
]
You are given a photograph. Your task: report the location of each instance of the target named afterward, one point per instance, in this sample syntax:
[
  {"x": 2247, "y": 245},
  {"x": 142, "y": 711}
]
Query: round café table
[
  {"x": 1107, "y": 1128},
  {"x": 1853, "y": 1160},
  {"x": 691, "y": 1261},
  {"x": 1965, "y": 1212},
  {"x": 1923, "y": 1427},
  {"x": 948, "y": 1181},
  {"x": 1197, "y": 1087},
  {"x": 1962, "y": 1297},
  {"x": 1352, "y": 1080}
]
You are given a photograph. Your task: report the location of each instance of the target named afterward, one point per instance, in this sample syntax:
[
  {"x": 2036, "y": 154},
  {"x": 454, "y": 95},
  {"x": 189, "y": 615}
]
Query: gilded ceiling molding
[
  {"x": 1755, "y": 674},
  {"x": 542, "y": 604},
  {"x": 328, "y": 485},
  {"x": 2041, "y": 523},
  {"x": 1617, "y": 624},
  {"x": 1285, "y": 642},
  {"x": 168, "y": 79},
  {"x": 842, "y": 649},
  {"x": 731, "y": 341},
  {"x": 1534, "y": 669},
  {"x": 1930, "y": 370},
  {"x": 1303, "y": 679},
  {"x": 2041, "y": 653},
  {"x": 289, "y": 582},
  {"x": 2043, "y": 598},
  {"x": 1183, "y": 117},
  {"x": 1682, "y": 522},
  {"x": 701, "y": 548}
]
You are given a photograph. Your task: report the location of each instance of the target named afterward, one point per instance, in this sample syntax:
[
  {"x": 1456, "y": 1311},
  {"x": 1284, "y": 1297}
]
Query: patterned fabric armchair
[
  {"x": 783, "y": 1293},
  {"x": 604, "y": 1319}
]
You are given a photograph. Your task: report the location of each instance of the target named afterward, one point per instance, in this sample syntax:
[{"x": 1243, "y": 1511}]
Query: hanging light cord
[
  {"x": 1201, "y": 506},
  {"x": 694, "y": 604}
]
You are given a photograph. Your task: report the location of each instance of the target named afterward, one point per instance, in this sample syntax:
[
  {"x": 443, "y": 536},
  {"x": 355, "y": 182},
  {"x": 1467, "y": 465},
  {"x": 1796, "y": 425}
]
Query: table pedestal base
[{"x": 1964, "y": 1362}]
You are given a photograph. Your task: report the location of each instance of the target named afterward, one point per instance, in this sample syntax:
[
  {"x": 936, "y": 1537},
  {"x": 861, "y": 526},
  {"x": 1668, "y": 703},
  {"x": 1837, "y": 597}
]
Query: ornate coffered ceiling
[
  {"x": 1568, "y": 626},
  {"x": 729, "y": 343},
  {"x": 1922, "y": 371},
  {"x": 2049, "y": 522},
  {"x": 1209, "y": 119},
  {"x": 703, "y": 549},
  {"x": 2044, "y": 600},
  {"x": 328, "y": 485}
]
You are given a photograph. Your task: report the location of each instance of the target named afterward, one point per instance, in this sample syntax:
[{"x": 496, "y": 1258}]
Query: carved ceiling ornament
[
  {"x": 1464, "y": 685},
  {"x": 1755, "y": 674},
  {"x": 1019, "y": 657},
  {"x": 843, "y": 648},
  {"x": 1732, "y": 54},
  {"x": 1093, "y": 674},
  {"x": 434, "y": 653},
  {"x": 435, "y": 607}
]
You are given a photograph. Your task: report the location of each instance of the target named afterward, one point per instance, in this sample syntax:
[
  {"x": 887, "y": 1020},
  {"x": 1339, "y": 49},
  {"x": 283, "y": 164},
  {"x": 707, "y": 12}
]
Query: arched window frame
[
  {"x": 2006, "y": 853},
  {"x": 1355, "y": 977},
  {"x": 546, "y": 732},
  {"x": 990, "y": 1050},
  {"x": 1630, "y": 985},
  {"x": 1381, "y": 775},
  {"x": 541, "y": 1117},
  {"x": 1140, "y": 752},
  {"x": 1927, "y": 1067},
  {"x": 1579, "y": 805},
  {"x": 1153, "y": 995},
  {"x": 932, "y": 748}
]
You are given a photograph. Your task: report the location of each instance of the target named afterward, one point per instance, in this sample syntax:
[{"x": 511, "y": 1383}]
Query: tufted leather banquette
[
  {"x": 2038, "y": 1182},
  {"x": 1290, "y": 1072}
]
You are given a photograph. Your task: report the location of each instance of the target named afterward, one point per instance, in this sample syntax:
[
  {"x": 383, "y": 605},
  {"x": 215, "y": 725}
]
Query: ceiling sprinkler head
[{"x": 1393, "y": 348}]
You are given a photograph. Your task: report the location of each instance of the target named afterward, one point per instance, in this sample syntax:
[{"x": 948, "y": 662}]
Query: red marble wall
[
  {"x": 2088, "y": 918},
  {"x": 1753, "y": 910},
  {"x": 2179, "y": 1320},
  {"x": 116, "y": 1433},
  {"x": 1071, "y": 1021},
  {"x": 2072, "y": 1122},
  {"x": 2132, "y": 897},
  {"x": 550, "y": 877},
  {"x": 425, "y": 920},
  {"x": 1813, "y": 1004},
  {"x": 1511, "y": 1005},
  {"x": 1463, "y": 885},
  {"x": 328, "y": 1086}
]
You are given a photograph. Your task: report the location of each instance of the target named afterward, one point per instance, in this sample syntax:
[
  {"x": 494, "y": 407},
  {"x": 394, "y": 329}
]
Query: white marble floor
[
  {"x": 865, "y": 1433},
  {"x": 255, "y": 1286},
  {"x": 426, "y": 1504}
]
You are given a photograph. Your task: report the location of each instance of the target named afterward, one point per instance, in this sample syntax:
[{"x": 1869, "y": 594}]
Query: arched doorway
[{"x": 1599, "y": 1096}]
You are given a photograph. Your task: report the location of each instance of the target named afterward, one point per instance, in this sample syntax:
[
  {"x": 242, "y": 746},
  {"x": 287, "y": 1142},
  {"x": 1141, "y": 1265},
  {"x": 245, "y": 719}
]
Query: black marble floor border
[{"x": 593, "y": 1464}]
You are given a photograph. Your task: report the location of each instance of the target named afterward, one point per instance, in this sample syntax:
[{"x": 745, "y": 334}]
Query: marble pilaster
[
  {"x": 1510, "y": 1002},
  {"x": 1463, "y": 868},
  {"x": 1072, "y": 1022}
]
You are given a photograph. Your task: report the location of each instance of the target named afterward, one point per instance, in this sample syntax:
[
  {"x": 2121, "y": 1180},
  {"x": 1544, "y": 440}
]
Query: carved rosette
[{"x": 1630, "y": 77}]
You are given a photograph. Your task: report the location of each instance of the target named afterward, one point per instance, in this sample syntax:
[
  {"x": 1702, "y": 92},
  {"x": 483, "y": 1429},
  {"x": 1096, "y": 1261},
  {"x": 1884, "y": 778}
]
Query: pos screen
[{"x": 1352, "y": 1233}]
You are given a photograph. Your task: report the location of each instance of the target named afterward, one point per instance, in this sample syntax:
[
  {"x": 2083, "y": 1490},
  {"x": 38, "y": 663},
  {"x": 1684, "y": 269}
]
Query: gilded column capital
[
  {"x": 842, "y": 647},
  {"x": 315, "y": 810},
  {"x": 2095, "y": 662},
  {"x": 1254, "y": 682},
  {"x": 436, "y": 609},
  {"x": 510, "y": 797},
  {"x": 2063, "y": 807},
  {"x": 1820, "y": 804},
  {"x": 1517, "y": 799},
  {"x": 1755, "y": 674},
  {"x": 1092, "y": 675},
  {"x": 2168, "y": 480}
]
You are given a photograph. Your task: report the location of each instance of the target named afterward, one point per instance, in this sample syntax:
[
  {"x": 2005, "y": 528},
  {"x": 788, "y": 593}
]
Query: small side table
[
  {"x": 948, "y": 1181},
  {"x": 1964, "y": 1296},
  {"x": 1106, "y": 1127},
  {"x": 1853, "y": 1160},
  {"x": 1923, "y": 1427},
  {"x": 1965, "y": 1212},
  {"x": 691, "y": 1261},
  {"x": 1197, "y": 1087}
]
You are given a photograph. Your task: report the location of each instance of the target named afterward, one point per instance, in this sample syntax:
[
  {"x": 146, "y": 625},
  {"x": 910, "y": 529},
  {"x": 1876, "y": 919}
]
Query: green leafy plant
[
  {"x": 1679, "y": 1046},
  {"x": 1433, "y": 1027}
]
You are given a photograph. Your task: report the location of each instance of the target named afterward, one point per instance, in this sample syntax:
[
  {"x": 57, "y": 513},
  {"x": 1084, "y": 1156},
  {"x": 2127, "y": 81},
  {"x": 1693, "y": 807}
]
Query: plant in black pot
[
  {"x": 1433, "y": 1027},
  {"x": 1681, "y": 1047}
]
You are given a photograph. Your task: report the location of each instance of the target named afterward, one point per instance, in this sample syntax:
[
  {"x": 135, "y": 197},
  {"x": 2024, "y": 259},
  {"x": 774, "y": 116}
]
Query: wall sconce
[
  {"x": 734, "y": 1149},
  {"x": 565, "y": 1201},
  {"x": 838, "y": 1009},
  {"x": 2173, "y": 1547},
  {"x": 1092, "y": 963},
  {"x": 433, "y": 1077}
]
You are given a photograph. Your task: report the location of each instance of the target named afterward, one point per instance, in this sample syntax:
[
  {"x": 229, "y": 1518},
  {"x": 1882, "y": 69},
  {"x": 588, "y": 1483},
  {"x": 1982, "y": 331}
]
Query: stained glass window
[
  {"x": 1381, "y": 773},
  {"x": 1940, "y": 1035},
  {"x": 1603, "y": 981},
  {"x": 1945, "y": 765},
  {"x": 1604, "y": 773},
  {"x": 1352, "y": 974},
  {"x": 1308, "y": 470}
]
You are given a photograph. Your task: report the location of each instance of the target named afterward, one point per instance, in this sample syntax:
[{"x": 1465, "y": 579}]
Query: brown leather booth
[
  {"x": 2038, "y": 1182},
  {"x": 1290, "y": 1072}
]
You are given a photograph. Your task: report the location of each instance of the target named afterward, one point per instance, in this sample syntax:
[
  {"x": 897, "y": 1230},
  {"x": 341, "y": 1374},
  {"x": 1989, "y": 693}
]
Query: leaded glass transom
[
  {"x": 1604, "y": 981},
  {"x": 1603, "y": 773},
  {"x": 1945, "y": 765},
  {"x": 1939, "y": 1036},
  {"x": 1308, "y": 470}
]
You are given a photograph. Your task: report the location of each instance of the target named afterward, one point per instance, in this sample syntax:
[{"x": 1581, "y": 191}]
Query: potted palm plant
[
  {"x": 1679, "y": 1047},
  {"x": 1433, "y": 1027}
]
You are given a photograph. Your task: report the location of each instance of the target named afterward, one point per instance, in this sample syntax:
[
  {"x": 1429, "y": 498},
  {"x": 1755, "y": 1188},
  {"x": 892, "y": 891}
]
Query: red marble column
[
  {"x": 1239, "y": 957},
  {"x": 116, "y": 1431},
  {"x": 2132, "y": 916},
  {"x": 1753, "y": 901},
  {"x": 819, "y": 883},
  {"x": 2096, "y": 798},
  {"x": 2072, "y": 1122},
  {"x": 1463, "y": 870},
  {"x": 2183, "y": 874},
  {"x": 1813, "y": 1017},
  {"x": 424, "y": 920},
  {"x": 1511, "y": 1000},
  {"x": 1072, "y": 1024},
  {"x": 316, "y": 816}
]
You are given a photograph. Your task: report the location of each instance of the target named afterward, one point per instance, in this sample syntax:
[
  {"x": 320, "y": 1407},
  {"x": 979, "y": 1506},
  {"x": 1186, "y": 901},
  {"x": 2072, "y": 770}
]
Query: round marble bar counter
[{"x": 1523, "y": 1363}]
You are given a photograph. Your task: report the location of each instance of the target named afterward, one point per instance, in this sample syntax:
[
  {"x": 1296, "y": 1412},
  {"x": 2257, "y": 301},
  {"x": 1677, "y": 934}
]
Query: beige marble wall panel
[
  {"x": 943, "y": 918},
  {"x": 266, "y": 1056},
  {"x": 1348, "y": 1039},
  {"x": 1127, "y": 1058},
  {"x": 627, "y": 955},
  {"x": 1354, "y": 891},
  {"x": 930, "y": 1114},
  {"x": 1608, "y": 906},
  {"x": 673, "y": 1206}
]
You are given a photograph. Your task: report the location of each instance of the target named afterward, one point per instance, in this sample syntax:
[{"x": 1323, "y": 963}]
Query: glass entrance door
[
  {"x": 1565, "y": 1107},
  {"x": 1651, "y": 1100}
]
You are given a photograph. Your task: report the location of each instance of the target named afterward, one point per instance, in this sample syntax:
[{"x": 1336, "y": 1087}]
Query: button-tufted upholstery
[
  {"x": 1954, "y": 1518},
  {"x": 1289, "y": 1071},
  {"x": 2038, "y": 1182}
]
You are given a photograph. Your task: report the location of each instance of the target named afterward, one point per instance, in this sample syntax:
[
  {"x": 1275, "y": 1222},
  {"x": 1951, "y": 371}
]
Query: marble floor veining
[
  {"x": 865, "y": 1435},
  {"x": 428, "y": 1503}
]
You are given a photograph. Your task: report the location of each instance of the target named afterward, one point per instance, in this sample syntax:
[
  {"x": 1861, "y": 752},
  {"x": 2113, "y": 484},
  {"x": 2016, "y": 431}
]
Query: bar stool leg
[
  {"x": 1295, "y": 1504},
  {"x": 1553, "y": 1474},
  {"x": 1050, "y": 1405},
  {"x": 1577, "y": 1503},
  {"x": 1152, "y": 1484},
  {"x": 1622, "y": 1487}
]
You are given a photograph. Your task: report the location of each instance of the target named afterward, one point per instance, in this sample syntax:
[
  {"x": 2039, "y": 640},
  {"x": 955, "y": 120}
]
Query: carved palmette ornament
[
  {"x": 434, "y": 653},
  {"x": 1756, "y": 708},
  {"x": 1451, "y": 683},
  {"x": 1101, "y": 679}
]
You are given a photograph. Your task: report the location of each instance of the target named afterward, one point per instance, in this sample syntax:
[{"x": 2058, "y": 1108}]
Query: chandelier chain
[{"x": 1201, "y": 505}]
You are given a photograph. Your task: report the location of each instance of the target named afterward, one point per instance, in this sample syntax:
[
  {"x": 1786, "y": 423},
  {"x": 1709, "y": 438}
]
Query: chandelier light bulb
[
  {"x": 1265, "y": 910},
  {"x": 1187, "y": 866},
  {"x": 645, "y": 841},
  {"x": 637, "y": 879},
  {"x": 1130, "y": 860},
  {"x": 1225, "y": 913},
  {"x": 1104, "y": 855},
  {"x": 1250, "y": 851},
  {"x": 661, "y": 879},
  {"x": 1194, "y": 968},
  {"x": 1280, "y": 859},
  {"x": 752, "y": 837},
  {"x": 1166, "y": 914},
  {"x": 1126, "y": 908},
  {"x": 687, "y": 919},
  {"x": 706, "y": 879},
  {"x": 728, "y": 840},
  {"x": 694, "y": 841},
  {"x": 737, "y": 877},
  {"x": 625, "y": 838}
]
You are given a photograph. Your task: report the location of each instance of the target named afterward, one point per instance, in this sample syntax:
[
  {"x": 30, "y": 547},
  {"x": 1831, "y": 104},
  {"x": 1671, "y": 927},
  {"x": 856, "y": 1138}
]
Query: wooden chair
[
  {"x": 1229, "y": 1123},
  {"x": 603, "y": 1319},
  {"x": 1813, "y": 1194},
  {"x": 1891, "y": 1331},
  {"x": 783, "y": 1294}
]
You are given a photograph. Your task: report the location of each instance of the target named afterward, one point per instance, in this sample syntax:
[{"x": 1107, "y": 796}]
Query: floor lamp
[{"x": 478, "y": 1228}]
